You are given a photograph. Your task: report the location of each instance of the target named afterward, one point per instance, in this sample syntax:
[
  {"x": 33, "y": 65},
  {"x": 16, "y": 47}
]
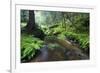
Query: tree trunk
[
  {"x": 31, "y": 23},
  {"x": 32, "y": 27}
]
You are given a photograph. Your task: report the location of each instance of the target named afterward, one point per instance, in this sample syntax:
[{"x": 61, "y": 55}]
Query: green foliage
[
  {"x": 57, "y": 30},
  {"x": 29, "y": 45},
  {"x": 81, "y": 38},
  {"x": 72, "y": 26},
  {"x": 81, "y": 22}
]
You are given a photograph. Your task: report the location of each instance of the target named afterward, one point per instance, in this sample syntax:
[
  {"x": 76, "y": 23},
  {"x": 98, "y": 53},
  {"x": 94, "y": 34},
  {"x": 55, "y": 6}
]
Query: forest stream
[
  {"x": 67, "y": 52},
  {"x": 54, "y": 36}
]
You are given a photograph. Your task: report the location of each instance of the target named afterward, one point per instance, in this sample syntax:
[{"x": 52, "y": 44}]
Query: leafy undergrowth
[
  {"x": 29, "y": 45},
  {"x": 80, "y": 38}
]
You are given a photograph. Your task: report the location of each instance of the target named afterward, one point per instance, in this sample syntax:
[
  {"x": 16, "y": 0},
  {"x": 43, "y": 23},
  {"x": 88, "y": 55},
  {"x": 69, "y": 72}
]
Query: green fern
[{"x": 29, "y": 45}]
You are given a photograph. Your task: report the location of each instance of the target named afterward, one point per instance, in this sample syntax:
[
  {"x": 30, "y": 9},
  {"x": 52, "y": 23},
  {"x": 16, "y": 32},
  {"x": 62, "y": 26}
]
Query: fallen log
[{"x": 70, "y": 49}]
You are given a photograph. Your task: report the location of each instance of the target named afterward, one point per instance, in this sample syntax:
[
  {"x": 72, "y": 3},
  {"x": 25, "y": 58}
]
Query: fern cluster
[{"x": 29, "y": 45}]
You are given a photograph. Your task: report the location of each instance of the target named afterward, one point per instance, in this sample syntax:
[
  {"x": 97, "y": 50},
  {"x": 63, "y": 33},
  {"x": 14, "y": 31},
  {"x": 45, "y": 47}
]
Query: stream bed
[{"x": 57, "y": 54}]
